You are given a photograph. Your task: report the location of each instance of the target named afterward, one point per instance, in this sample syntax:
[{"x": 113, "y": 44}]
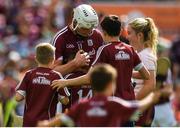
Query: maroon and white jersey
[
  {"x": 77, "y": 93},
  {"x": 67, "y": 45},
  {"x": 122, "y": 57},
  {"x": 102, "y": 111},
  {"x": 41, "y": 99}
]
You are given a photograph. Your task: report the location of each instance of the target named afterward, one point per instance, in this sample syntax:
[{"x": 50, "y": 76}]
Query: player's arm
[
  {"x": 149, "y": 86},
  {"x": 58, "y": 120},
  {"x": 63, "y": 96},
  {"x": 50, "y": 123},
  {"x": 21, "y": 88},
  {"x": 148, "y": 101},
  {"x": 19, "y": 97},
  {"x": 64, "y": 100},
  {"x": 154, "y": 97},
  {"x": 66, "y": 68},
  {"x": 141, "y": 72},
  {"x": 81, "y": 59},
  {"x": 82, "y": 80}
]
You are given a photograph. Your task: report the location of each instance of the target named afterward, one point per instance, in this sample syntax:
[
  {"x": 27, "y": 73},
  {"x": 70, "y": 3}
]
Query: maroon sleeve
[
  {"x": 63, "y": 91},
  {"x": 58, "y": 43},
  {"x": 100, "y": 39},
  {"x": 136, "y": 60},
  {"x": 22, "y": 86},
  {"x": 73, "y": 111},
  {"x": 127, "y": 112},
  {"x": 101, "y": 56},
  {"x": 126, "y": 108}
]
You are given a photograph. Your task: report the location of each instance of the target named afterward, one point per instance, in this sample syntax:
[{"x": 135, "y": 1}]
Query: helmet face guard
[{"x": 85, "y": 16}]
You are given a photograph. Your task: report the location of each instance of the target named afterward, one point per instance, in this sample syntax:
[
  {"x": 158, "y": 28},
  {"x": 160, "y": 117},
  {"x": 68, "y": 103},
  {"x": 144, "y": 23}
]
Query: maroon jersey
[
  {"x": 41, "y": 99},
  {"x": 122, "y": 57},
  {"x": 77, "y": 93},
  {"x": 102, "y": 111},
  {"x": 68, "y": 44}
]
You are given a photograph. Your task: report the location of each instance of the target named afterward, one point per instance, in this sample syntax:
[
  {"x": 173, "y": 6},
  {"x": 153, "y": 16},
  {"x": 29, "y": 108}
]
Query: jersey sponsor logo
[
  {"x": 70, "y": 46},
  {"x": 97, "y": 112},
  {"x": 121, "y": 55},
  {"x": 41, "y": 80},
  {"x": 90, "y": 42},
  {"x": 40, "y": 73},
  {"x": 99, "y": 103}
]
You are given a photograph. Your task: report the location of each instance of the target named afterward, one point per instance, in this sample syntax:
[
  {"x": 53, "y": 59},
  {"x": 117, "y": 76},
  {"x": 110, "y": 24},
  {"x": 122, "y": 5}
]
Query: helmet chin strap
[{"x": 74, "y": 29}]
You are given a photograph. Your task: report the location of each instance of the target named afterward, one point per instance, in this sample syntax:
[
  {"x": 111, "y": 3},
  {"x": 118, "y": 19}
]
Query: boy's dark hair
[
  {"x": 101, "y": 76},
  {"x": 111, "y": 25},
  {"x": 45, "y": 53}
]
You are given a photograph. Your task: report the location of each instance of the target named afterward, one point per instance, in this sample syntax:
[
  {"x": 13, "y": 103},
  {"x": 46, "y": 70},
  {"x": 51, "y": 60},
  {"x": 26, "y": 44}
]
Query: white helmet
[{"x": 85, "y": 16}]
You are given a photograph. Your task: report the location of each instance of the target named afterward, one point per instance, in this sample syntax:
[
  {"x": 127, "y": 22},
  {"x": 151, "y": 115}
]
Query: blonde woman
[{"x": 143, "y": 36}]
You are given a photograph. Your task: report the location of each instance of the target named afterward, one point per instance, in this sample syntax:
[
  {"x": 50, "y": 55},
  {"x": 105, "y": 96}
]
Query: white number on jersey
[{"x": 80, "y": 93}]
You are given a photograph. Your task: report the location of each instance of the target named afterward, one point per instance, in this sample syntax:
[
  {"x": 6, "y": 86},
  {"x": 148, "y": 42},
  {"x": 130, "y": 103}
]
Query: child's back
[{"x": 41, "y": 99}]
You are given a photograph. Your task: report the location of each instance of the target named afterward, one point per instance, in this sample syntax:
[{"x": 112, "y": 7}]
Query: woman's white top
[{"x": 150, "y": 62}]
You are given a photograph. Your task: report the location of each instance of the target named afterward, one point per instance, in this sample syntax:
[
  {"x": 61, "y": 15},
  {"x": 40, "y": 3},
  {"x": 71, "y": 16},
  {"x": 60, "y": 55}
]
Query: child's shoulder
[
  {"x": 30, "y": 71},
  {"x": 57, "y": 73}
]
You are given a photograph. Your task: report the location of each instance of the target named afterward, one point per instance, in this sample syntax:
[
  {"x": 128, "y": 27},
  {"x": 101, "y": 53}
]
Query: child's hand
[
  {"x": 57, "y": 84},
  {"x": 64, "y": 100}
]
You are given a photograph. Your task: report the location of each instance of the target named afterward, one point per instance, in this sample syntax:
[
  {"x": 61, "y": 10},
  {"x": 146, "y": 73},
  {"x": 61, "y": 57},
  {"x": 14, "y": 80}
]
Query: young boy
[
  {"x": 35, "y": 88},
  {"x": 102, "y": 110}
]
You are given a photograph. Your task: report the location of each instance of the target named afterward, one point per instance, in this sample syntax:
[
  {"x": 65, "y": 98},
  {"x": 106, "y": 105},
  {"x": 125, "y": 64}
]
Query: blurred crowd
[{"x": 24, "y": 24}]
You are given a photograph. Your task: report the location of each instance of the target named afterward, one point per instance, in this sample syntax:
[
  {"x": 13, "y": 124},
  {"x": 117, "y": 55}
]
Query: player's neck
[
  {"x": 112, "y": 39},
  {"x": 44, "y": 66},
  {"x": 139, "y": 47}
]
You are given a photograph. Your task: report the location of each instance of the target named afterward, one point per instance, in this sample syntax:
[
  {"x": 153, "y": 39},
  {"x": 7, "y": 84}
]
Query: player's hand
[
  {"x": 162, "y": 95},
  {"x": 81, "y": 59},
  {"x": 156, "y": 97},
  {"x": 166, "y": 92},
  {"x": 44, "y": 123},
  {"x": 58, "y": 84},
  {"x": 64, "y": 100}
]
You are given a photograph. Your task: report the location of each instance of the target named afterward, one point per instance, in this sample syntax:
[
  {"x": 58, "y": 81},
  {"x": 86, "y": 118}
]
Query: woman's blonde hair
[{"x": 149, "y": 30}]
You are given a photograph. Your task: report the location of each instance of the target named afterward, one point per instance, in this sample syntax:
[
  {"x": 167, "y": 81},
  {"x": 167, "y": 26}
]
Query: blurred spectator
[
  {"x": 175, "y": 58},
  {"x": 164, "y": 116},
  {"x": 176, "y": 100},
  {"x": 124, "y": 33},
  {"x": 24, "y": 24}
]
